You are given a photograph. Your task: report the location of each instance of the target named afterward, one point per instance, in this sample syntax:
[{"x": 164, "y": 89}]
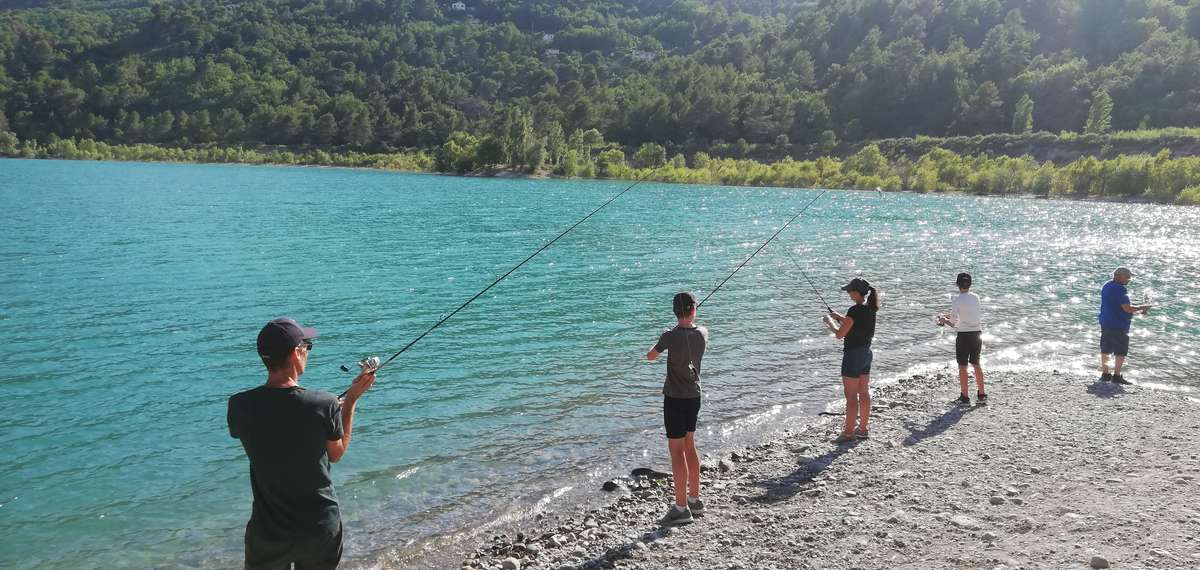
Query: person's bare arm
[
  {"x": 653, "y": 354},
  {"x": 1134, "y": 309},
  {"x": 337, "y": 448}
]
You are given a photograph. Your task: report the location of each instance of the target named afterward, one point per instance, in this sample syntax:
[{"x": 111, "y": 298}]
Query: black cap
[
  {"x": 683, "y": 303},
  {"x": 280, "y": 336},
  {"x": 963, "y": 280},
  {"x": 858, "y": 284}
]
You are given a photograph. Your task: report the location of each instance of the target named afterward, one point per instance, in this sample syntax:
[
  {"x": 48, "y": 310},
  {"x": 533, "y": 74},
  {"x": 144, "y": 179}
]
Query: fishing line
[
  {"x": 810, "y": 283},
  {"x": 497, "y": 281},
  {"x": 761, "y": 247}
]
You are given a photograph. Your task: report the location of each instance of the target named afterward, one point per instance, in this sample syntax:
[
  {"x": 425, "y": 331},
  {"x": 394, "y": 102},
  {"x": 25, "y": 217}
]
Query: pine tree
[
  {"x": 1100, "y": 116},
  {"x": 1023, "y": 115}
]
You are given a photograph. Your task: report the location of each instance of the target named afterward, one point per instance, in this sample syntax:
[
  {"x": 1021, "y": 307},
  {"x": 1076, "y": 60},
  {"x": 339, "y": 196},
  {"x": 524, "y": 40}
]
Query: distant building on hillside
[
  {"x": 642, "y": 55},
  {"x": 552, "y": 51},
  {"x": 458, "y": 7},
  {"x": 547, "y": 37}
]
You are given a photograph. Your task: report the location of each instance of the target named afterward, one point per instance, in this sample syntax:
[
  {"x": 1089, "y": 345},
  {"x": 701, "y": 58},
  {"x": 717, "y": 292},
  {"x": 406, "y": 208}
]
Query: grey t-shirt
[{"x": 680, "y": 344}]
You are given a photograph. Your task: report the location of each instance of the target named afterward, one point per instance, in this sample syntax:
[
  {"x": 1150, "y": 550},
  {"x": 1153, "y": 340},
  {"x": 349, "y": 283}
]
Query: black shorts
[
  {"x": 1113, "y": 341},
  {"x": 679, "y": 415},
  {"x": 315, "y": 553},
  {"x": 967, "y": 346},
  {"x": 857, "y": 361}
]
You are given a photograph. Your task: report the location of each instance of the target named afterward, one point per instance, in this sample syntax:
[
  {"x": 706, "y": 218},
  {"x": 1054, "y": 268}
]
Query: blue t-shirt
[{"x": 1112, "y": 316}]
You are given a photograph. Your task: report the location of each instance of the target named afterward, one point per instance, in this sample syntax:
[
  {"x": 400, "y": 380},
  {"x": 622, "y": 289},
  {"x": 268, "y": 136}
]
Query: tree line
[
  {"x": 382, "y": 75},
  {"x": 1159, "y": 178}
]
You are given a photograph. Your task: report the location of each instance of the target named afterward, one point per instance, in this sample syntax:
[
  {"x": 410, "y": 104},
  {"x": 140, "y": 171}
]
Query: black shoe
[
  {"x": 1118, "y": 379},
  {"x": 964, "y": 400},
  {"x": 981, "y": 399},
  {"x": 1106, "y": 377}
]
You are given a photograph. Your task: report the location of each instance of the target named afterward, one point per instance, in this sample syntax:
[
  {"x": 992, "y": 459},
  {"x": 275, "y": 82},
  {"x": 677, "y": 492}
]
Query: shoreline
[
  {"x": 1040, "y": 477},
  {"x": 520, "y": 174}
]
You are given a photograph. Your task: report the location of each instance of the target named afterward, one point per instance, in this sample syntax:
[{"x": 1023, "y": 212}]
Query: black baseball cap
[
  {"x": 683, "y": 303},
  {"x": 963, "y": 280},
  {"x": 280, "y": 336},
  {"x": 858, "y": 284}
]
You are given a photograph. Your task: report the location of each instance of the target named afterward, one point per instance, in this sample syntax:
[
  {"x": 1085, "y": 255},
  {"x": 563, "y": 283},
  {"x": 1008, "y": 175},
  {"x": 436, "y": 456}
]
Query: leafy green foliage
[{"x": 381, "y": 75}]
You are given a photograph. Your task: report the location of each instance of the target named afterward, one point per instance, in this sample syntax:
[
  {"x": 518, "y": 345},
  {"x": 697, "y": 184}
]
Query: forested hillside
[{"x": 525, "y": 77}]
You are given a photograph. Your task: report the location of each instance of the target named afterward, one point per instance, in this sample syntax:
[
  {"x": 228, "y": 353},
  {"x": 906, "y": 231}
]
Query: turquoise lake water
[{"x": 131, "y": 294}]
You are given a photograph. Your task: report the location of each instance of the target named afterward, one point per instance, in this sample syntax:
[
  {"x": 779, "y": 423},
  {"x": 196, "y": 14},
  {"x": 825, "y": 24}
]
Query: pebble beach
[{"x": 1056, "y": 471}]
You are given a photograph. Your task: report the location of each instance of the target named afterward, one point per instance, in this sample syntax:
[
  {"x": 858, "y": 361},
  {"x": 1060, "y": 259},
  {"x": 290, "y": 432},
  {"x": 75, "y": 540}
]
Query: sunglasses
[{"x": 307, "y": 345}]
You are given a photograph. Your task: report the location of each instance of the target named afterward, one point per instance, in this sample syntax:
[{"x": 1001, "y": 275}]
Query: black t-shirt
[
  {"x": 284, "y": 431},
  {"x": 863, "y": 329}
]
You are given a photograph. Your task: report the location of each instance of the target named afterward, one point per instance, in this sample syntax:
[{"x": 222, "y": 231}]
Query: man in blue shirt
[{"x": 1116, "y": 312}]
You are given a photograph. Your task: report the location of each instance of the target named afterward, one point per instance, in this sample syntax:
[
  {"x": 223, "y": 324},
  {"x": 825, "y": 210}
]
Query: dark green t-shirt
[{"x": 284, "y": 431}]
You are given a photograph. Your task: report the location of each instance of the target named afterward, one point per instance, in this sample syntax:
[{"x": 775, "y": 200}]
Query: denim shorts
[{"x": 856, "y": 361}]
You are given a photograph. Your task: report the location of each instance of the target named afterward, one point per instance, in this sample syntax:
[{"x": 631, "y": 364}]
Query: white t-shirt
[{"x": 965, "y": 313}]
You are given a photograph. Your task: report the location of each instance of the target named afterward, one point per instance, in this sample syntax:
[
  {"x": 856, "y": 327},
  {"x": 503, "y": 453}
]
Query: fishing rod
[
  {"x": 761, "y": 247},
  {"x": 373, "y": 364},
  {"x": 810, "y": 283}
]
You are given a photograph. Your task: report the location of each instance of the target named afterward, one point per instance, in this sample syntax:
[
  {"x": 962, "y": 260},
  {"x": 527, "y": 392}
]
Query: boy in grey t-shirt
[{"x": 684, "y": 346}]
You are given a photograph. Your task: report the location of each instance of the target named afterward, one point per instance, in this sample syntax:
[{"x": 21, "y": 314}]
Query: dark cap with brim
[
  {"x": 858, "y": 284},
  {"x": 280, "y": 336},
  {"x": 683, "y": 303}
]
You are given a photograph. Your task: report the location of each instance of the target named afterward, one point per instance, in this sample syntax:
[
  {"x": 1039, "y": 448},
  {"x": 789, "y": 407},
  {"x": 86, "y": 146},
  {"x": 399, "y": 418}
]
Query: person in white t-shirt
[{"x": 965, "y": 317}]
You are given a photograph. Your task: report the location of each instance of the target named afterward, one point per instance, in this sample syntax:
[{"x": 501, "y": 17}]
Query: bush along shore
[
  {"x": 1057, "y": 471},
  {"x": 1159, "y": 178}
]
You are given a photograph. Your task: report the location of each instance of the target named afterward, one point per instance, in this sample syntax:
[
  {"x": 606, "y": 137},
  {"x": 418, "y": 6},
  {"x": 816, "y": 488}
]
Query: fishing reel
[{"x": 369, "y": 364}]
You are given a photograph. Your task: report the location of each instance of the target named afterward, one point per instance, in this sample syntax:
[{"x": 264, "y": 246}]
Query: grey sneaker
[
  {"x": 1106, "y": 377},
  {"x": 697, "y": 506},
  {"x": 676, "y": 517},
  {"x": 862, "y": 434},
  {"x": 1118, "y": 379}
]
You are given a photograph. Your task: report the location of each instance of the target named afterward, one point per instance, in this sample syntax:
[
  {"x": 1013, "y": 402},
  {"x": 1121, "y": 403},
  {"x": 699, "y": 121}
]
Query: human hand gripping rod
[{"x": 372, "y": 364}]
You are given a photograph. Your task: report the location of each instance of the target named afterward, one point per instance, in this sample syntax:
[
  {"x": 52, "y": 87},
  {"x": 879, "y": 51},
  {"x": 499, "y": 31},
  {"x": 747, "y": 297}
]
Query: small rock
[
  {"x": 611, "y": 485},
  {"x": 1017, "y": 501},
  {"x": 989, "y": 537},
  {"x": 649, "y": 474},
  {"x": 590, "y": 523},
  {"x": 725, "y": 466},
  {"x": 511, "y": 564},
  {"x": 964, "y": 522},
  {"x": 1011, "y": 492},
  {"x": 1099, "y": 562},
  {"x": 996, "y": 500},
  {"x": 1114, "y": 481},
  {"x": 849, "y": 493}
]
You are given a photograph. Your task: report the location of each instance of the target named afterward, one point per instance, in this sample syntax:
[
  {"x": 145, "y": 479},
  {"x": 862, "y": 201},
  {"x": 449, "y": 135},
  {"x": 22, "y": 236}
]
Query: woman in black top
[{"x": 856, "y": 328}]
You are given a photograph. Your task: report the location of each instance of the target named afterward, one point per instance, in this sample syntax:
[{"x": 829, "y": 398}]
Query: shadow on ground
[
  {"x": 936, "y": 426},
  {"x": 1105, "y": 389}
]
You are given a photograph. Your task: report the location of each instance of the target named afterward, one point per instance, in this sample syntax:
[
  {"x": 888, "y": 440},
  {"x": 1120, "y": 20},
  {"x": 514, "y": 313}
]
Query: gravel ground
[{"x": 1057, "y": 471}]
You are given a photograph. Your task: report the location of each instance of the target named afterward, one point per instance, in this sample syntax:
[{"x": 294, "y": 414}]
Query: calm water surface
[{"x": 131, "y": 294}]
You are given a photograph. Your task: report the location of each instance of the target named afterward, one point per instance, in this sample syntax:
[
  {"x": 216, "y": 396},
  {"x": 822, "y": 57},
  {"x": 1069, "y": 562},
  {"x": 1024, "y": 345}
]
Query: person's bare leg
[
  {"x": 679, "y": 469},
  {"x": 693, "y": 465},
  {"x": 962, "y": 379},
  {"x": 979, "y": 379},
  {"x": 1120, "y": 361},
  {"x": 864, "y": 401},
  {"x": 850, "y": 389},
  {"x": 1103, "y": 363}
]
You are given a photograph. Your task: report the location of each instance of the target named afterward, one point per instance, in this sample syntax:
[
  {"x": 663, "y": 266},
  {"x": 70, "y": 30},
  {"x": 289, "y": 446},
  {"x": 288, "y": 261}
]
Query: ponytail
[{"x": 873, "y": 298}]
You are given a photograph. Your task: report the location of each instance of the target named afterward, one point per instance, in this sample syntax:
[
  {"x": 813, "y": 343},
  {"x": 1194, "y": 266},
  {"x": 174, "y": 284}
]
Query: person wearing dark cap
[
  {"x": 856, "y": 328},
  {"x": 684, "y": 345},
  {"x": 1116, "y": 314},
  {"x": 965, "y": 316},
  {"x": 290, "y": 436}
]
